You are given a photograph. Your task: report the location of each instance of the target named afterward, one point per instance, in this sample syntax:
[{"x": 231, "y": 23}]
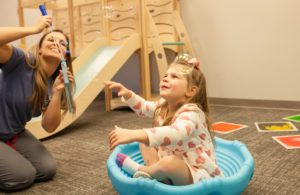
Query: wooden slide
[{"x": 97, "y": 63}]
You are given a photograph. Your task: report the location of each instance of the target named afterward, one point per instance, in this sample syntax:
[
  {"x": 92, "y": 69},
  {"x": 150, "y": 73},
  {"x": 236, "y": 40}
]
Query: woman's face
[{"x": 49, "y": 47}]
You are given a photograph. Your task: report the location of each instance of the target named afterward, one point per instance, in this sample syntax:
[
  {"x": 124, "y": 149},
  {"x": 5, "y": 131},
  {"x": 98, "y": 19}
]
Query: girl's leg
[
  {"x": 16, "y": 172},
  {"x": 170, "y": 167},
  {"x": 36, "y": 153},
  {"x": 149, "y": 154}
]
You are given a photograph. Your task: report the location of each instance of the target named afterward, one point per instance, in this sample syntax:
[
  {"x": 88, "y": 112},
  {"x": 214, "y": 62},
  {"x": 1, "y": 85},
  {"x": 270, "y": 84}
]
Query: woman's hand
[
  {"x": 122, "y": 91},
  {"x": 44, "y": 22},
  {"x": 58, "y": 85},
  {"x": 124, "y": 136}
]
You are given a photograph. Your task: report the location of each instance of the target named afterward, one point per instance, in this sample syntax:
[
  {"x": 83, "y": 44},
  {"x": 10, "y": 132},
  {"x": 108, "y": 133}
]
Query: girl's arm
[
  {"x": 136, "y": 103},
  {"x": 123, "y": 136},
  {"x": 9, "y": 34},
  {"x": 140, "y": 106},
  {"x": 177, "y": 133}
]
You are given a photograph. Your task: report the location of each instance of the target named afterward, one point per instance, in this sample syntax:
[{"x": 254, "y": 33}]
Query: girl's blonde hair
[
  {"x": 195, "y": 77},
  {"x": 40, "y": 90}
]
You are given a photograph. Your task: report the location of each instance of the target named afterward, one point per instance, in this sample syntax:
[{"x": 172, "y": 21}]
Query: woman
[{"x": 31, "y": 83}]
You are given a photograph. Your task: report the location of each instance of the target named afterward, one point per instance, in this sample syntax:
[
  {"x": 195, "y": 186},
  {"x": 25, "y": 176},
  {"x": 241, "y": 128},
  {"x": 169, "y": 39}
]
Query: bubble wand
[{"x": 63, "y": 65}]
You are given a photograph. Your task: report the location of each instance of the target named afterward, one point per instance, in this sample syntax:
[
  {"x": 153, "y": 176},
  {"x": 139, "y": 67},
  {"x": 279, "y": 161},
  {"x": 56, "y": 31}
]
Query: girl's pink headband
[{"x": 195, "y": 63}]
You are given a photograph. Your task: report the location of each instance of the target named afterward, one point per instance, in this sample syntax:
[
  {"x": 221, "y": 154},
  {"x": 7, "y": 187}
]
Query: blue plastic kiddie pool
[{"x": 233, "y": 158}]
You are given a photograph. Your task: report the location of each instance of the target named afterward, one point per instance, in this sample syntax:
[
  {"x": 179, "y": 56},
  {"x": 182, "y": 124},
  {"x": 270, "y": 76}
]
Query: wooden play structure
[{"x": 121, "y": 27}]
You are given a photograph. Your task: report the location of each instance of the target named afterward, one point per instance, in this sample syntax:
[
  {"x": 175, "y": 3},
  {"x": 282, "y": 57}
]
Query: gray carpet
[{"x": 81, "y": 151}]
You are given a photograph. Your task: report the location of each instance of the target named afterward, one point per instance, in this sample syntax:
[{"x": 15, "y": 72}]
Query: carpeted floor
[{"x": 81, "y": 151}]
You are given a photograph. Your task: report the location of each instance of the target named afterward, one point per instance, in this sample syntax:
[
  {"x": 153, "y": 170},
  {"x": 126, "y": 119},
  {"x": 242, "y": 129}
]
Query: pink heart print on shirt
[
  {"x": 199, "y": 150},
  {"x": 202, "y": 136},
  {"x": 166, "y": 142},
  {"x": 137, "y": 106},
  {"x": 216, "y": 172},
  {"x": 200, "y": 160},
  {"x": 191, "y": 145},
  {"x": 188, "y": 130},
  {"x": 208, "y": 152},
  {"x": 180, "y": 143}
]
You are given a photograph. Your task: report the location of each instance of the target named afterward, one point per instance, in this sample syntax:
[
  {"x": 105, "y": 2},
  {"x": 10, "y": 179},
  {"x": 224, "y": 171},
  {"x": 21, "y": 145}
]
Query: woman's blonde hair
[
  {"x": 191, "y": 70},
  {"x": 40, "y": 91}
]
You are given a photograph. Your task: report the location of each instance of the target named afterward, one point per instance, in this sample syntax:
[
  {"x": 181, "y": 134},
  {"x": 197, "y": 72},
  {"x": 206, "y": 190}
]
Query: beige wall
[
  {"x": 9, "y": 17},
  {"x": 248, "y": 48}
]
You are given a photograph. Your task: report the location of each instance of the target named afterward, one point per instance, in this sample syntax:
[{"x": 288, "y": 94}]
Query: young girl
[
  {"x": 30, "y": 84},
  {"x": 179, "y": 147}
]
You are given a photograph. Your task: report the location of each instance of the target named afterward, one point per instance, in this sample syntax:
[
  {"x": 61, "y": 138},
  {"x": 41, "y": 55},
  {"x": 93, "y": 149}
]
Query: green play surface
[{"x": 295, "y": 118}]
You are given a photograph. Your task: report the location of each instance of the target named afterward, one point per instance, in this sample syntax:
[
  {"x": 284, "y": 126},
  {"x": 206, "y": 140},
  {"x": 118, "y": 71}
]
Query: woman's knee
[
  {"x": 18, "y": 178},
  {"x": 46, "y": 171}
]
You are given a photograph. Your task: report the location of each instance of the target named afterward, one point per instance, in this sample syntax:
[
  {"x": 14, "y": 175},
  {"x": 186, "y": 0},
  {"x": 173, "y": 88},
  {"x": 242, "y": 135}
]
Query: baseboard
[
  {"x": 240, "y": 102},
  {"x": 255, "y": 103}
]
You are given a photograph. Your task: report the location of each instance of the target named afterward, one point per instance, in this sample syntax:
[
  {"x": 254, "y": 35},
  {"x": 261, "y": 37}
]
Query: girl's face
[
  {"x": 174, "y": 86},
  {"x": 49, "y": 48}
]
